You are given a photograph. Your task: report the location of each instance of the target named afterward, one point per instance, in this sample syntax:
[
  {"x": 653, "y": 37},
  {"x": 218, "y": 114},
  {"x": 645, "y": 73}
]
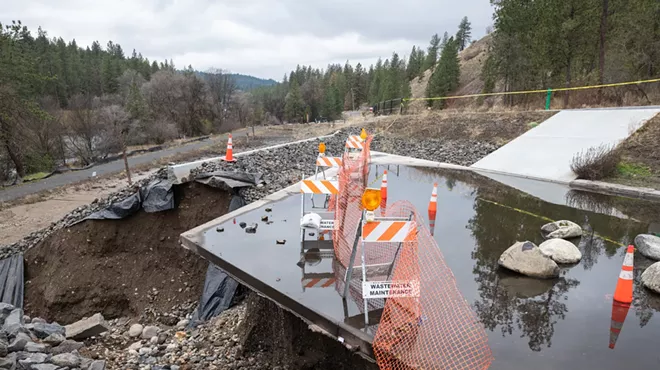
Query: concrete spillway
[{"x": 545, "y": 152}]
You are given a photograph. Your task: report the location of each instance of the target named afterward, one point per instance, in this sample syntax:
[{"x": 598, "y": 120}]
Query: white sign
[{"x": 390, "y": 289}]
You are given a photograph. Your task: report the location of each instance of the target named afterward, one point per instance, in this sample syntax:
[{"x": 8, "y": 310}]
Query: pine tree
[
  {"x": 445, "y": 40},
  {"x": 432, "y": 54},
  {"x": 376, "y": 82},
  {"x": 464, "y": 34},
  {"x": 361, "y": 82},
  {"x": 414, "y": 64},
  {"x": 446, "y": 75},
  {"x": 294, "y": 108}
]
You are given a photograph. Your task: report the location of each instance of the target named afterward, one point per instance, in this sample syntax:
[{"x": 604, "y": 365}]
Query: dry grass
[{"x": 596, "y": 163}]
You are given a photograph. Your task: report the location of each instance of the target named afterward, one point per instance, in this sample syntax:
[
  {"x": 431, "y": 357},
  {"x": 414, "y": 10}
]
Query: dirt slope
[
  {"x": 471, "y": 60},
  {"x": 113, "y": 266}
]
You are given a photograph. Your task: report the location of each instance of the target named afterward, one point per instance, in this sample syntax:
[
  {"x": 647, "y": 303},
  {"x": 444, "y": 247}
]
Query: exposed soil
[
  {"x": 281, "y": 338},
  {"x": 122, "y": 267},
  {"x": 643, "y": 148}
]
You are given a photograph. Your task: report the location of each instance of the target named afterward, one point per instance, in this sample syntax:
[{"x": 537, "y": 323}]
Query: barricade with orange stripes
[
  {"x": 322, "y": 161},
  {"x": 355, "y": 142},
  {"x": 319, "y": 187}
]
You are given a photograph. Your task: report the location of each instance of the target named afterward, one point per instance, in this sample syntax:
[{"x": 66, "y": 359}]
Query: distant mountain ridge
[{"x": 246, "y": 82}]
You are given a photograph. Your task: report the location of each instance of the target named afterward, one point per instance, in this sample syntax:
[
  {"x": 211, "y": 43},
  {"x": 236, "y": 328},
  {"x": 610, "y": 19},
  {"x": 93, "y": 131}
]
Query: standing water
[
  {"x": 561, "y": 323},
  {"x": 538, "y": 324}
]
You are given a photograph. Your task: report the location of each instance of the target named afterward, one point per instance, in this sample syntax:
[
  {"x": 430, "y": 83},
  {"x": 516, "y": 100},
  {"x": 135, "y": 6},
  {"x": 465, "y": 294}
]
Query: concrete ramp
[{"x": 545, "y": 152}]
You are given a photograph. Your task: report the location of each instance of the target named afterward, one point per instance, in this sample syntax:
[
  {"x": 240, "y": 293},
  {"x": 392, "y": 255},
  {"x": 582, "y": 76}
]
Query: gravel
[{"x": 212, "y": 345}]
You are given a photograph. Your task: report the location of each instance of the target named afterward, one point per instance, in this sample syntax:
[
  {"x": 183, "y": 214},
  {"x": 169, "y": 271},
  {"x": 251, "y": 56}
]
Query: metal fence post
[{"x": 547, "y": 99}]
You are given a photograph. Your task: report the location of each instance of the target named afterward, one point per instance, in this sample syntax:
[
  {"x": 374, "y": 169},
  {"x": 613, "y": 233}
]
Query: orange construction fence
[{"x": 435, "y": 330}]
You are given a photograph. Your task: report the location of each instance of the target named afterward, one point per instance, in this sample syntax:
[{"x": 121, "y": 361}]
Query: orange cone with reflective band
[
  {"x": 229, "y": 157},
  {"x": 433, "y": 204},
  {"x": 383, "y": 207},
  {"x": 624, "y": 287},
  {"x": 383, "y": 186},
  {"x": 619, "y": 313}
]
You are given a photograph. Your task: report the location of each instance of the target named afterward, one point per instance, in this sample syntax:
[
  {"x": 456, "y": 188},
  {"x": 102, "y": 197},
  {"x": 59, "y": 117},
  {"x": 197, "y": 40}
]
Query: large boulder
[
  {"x": 68, "y": 360},
  {"x": 43, "y": 330},
  {"x": 527, "y": 259},
  {"x": 86, "y": 328},
  {"x": 648, "y": 245},
  {"x": 67, "y": 346},
  {"x": 561, "y": 251},
  {"x": 651, "y": 277},
  {"x": 563, "y": 229}
]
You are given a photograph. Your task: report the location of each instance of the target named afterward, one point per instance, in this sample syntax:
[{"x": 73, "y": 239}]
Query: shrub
[{"x": 596, "y": 163}]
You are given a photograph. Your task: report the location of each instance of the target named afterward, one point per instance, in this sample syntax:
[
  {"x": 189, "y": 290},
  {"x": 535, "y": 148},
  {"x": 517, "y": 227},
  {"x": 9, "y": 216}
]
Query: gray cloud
[{"x": 260, "y": 37}]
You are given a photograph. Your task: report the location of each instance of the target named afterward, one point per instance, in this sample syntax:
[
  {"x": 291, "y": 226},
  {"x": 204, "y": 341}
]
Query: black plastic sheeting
[
  {"x": 11, "y": 280},
  {"x": 155, "y": 197},
  {"x": 228, "y": 180},
  {"x": 159, "y": 194},
  {"x": 219, "y": 288}
]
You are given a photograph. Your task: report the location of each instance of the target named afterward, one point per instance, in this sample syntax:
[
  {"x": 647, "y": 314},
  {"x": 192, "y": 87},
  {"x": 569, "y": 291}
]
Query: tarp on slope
[
  {"x": 159, "y": 194},
  {"x": 228, "y": 180},
  {"x": 11, "y": 280},
  {"x": 219, "y": 288}
]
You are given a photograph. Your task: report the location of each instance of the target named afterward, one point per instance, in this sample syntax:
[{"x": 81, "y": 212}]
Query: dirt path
[{"x": 18, "y": 221}]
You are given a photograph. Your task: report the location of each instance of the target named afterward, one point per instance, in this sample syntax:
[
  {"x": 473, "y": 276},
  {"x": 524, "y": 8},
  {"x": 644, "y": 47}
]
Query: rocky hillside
[{"x": 472, "y": 60}]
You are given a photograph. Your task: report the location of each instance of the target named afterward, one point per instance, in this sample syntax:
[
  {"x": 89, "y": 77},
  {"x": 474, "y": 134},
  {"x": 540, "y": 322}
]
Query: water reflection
[{"x": 533, "y": 307}]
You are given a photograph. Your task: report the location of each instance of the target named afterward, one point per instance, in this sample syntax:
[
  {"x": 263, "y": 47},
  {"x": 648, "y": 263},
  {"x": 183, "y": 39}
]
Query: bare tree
[
  {"x": 83, "y": 127},
  {"x": 163, "y": 94},
  {"x": 114, "y": 121},
  {"x": 222, "y": 87}
]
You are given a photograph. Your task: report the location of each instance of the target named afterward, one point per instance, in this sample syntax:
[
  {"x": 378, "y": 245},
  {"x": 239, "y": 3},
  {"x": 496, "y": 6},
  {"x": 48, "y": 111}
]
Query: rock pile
[
  {"x": 462, "y": 152},
  {"x": 34, "y": 344},
  {"x": 213, "y": 345}
]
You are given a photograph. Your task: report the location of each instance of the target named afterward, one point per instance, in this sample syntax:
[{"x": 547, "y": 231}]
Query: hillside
[
  {"x": 247, "y": 83},
  {"x": 471, "y": 62}
]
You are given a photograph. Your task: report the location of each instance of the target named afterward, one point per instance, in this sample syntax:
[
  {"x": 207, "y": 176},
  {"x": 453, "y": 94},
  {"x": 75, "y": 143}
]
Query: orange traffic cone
[
  {"x": 624, "y": 287},
  {"x": 619, "y": 313},
  {"x": 229, "y": 157},
  {"x": 383, "y": 207},
  {"x": 383, "y": 186},
  {"x": 433, "y": 204}
]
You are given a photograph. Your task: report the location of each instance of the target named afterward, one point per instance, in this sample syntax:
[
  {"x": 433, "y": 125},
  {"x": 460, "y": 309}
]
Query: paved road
[{"x": 15, "y": 192}]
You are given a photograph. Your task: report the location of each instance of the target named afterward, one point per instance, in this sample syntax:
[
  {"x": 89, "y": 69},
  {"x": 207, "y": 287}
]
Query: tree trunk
[
  {"x": 601, "y": 61},
  {"x": 18, "y": 164}
]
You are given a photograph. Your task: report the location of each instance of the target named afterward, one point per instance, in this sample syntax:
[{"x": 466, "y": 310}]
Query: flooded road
[
  {"x": 531, "y": 324},
  {"x": 538, "y": 324}
]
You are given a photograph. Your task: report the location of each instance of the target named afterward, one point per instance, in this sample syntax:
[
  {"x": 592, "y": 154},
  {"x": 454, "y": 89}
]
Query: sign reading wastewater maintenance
[{"x": 390, "y": 289}]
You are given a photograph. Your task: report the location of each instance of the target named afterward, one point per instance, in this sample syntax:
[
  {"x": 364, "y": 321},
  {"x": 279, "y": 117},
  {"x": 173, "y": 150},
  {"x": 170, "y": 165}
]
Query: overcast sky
[{"x": 264, "y": 38}]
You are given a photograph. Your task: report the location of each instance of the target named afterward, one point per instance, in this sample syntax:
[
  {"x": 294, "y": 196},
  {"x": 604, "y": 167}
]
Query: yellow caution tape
[{"x": 536, "y": 91}]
